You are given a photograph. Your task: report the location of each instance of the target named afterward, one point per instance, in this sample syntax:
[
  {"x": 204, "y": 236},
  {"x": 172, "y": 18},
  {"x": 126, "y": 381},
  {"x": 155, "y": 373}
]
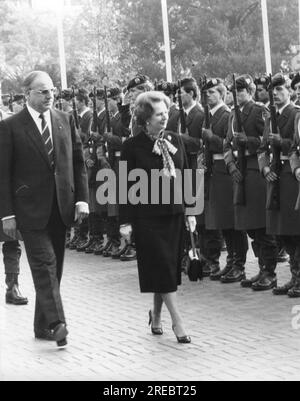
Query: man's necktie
[{"x": 47, "y": 139}]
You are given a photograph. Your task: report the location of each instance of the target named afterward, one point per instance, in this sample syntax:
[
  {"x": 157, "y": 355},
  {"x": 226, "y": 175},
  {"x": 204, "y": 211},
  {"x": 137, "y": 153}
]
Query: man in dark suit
[{"x": 43, "y": 187}]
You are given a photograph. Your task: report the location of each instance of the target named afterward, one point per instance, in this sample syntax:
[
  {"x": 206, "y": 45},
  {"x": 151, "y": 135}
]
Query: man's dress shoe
[
  {"x": 60, "y": 334},
  {"x": 14, "y": 296}
]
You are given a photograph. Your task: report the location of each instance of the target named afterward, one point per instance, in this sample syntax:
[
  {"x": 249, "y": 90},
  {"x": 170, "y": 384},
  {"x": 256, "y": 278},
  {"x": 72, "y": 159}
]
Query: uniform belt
[
  {"x": 283, "y": 157},
  {"x": 219, "y": 156},
  {"x": 247, "y": 153},
  {"x": 117, "y": 154}
]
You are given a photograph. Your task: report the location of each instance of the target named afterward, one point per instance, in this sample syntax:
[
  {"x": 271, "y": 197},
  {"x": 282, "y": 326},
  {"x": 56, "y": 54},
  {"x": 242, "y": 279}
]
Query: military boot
[
  {"x": 268, "y": 278},
  {"x": 216, "y": 276},
  {"x": 284, "y": 290},
  {"x": 13, "y": 295},
  {"x": 247, "y": 283},
  {"x": 294, "y": 292}
]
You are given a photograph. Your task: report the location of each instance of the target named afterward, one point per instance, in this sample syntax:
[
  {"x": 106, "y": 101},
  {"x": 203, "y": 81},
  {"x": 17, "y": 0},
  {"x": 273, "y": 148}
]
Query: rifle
[
  {"x": 75, "y": 111},
  {"x": 207, "y": 125},
  {"x": 60, "y": 104},
  {"x": 91, "y": 142},
  {"x": 239, "y": 196},
  {"x": 181, "y": 110},
  {"x": 11, "y": 103},
  {"x": 273, "y": 198},
  {"x": 108, "y": 123}
]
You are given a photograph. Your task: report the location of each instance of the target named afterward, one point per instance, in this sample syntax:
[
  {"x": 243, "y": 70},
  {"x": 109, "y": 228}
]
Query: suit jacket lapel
[{"x": 35, "y": 136}]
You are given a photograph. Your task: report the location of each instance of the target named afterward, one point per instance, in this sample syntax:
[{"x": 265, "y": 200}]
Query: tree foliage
[{"x": 111, "y": 40}]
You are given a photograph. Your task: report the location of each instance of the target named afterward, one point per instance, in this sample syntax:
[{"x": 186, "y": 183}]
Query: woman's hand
[
  {"x": 191, "y": 223},
  {"x": 126, "y": 232}
]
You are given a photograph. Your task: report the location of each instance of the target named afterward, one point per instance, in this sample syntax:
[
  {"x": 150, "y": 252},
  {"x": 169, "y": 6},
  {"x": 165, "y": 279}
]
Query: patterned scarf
[{"x": 162, "y": 147}]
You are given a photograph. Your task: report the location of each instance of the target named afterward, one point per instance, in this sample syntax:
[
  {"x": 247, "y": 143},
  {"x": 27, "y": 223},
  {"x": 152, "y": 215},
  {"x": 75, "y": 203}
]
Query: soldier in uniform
[
  {"x": 210, "y": 241},
  {"x": 296, "y": 87},
  {"x": 85, "y": 117},
  {"x": 250, "y": 217},
  {"x": 262, "y": 94},
  {"x": 219, "y": 214},
  {"x": 96, "y": 160},
  {"x": 11, "y": 251},
  {"x": 139, "y": 84},
  {"x": 169, "y": 89},
  {"x": 114, "y": 141},
  {"x": 262, "y": 97},
  {"x": 294, "y": 292},
  {"x": 283, "y": 220}
]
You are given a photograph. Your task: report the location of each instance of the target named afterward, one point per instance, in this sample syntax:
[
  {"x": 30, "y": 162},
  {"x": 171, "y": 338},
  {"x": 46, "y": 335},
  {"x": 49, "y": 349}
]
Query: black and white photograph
[{"x": 149, "y": 193}]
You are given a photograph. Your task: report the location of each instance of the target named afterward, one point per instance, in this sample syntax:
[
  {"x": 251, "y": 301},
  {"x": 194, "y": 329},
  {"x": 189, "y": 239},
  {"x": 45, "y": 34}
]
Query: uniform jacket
[
  {"x": 28, "y": 182},
  {"x": 219, "y": 126},
  {"x": 295, "y": 148},
  {"x": 194, "y": 124},
  {"x": 286, "y": 125},
  {"x": 253, "y": 126},
  {"x": 173, "y": 122}
]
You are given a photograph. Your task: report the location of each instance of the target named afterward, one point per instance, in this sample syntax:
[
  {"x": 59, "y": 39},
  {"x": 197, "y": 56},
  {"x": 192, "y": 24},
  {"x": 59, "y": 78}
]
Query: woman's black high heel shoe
[
  {"x": 156, "y": 331},
  {"x": 184, "y": 339}
]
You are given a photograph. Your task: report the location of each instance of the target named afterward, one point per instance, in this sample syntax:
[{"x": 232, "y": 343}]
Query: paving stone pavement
[{"x": 237, "y": 334}]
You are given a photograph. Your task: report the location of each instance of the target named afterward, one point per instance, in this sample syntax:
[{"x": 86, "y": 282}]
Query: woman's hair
[{"x": 144, "y": 105}]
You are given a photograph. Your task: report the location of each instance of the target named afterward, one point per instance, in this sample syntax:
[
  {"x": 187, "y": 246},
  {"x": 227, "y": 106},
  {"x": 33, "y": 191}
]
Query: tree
[{"x": 112, "y": 40}]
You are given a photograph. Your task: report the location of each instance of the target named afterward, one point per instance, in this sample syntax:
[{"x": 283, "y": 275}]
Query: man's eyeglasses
[{"x": 45, "y": 92}]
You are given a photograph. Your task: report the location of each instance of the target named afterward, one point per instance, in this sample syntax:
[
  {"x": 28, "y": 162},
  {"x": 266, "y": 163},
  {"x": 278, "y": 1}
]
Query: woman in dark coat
[{"x": 158, "y": 224}]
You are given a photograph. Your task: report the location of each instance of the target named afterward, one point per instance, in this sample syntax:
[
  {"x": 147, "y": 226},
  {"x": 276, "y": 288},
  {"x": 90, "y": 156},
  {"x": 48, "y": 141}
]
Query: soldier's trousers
[
  {"x": 292, "y": 246},
  {"x": 113, "y": 229},
  {"x": 265, "y": 248},
  {"x": 237, "y": 248},
  {"x": 210, "y": 244},
  {"x": 96, "y": 225},
  {"x": 11, "y": 258}
]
